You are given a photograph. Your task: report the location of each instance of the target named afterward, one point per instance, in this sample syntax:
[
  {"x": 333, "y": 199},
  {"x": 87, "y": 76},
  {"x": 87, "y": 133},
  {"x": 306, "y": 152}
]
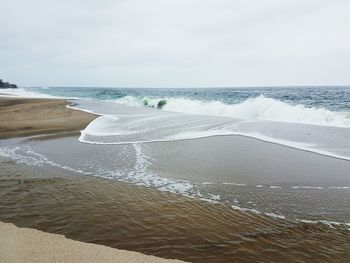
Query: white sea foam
[
  {"x": 275, "y": 215},
  {"x": 25, "y": 93},
  {"x": 208, "y": 183},
  {"x": 307, "y": 187},
  {"x": 26, "y": 155},
  {"x": 255, "y": 211},
  {"x": 275, "y": 187},
  {"x": 80, "y": 109},
  {"x": 326, "y": 222},
  {"x": 252, "y": 210},
  {"x": 282, "y": 217},
  {"x": 236, "y": 184},
  {"x": 246, "y": 119},
  {"x": 126, "y": 124},
  {"x": 339, "y": 187},
  {"x": 259, "y": 108}
]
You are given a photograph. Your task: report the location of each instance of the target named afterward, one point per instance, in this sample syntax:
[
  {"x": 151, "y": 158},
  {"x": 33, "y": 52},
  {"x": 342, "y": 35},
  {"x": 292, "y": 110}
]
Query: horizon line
[{"x": 184, "y": 87}]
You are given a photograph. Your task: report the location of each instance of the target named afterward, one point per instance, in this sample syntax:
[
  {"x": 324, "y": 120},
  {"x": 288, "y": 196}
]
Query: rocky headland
[{"x": 7, "y": 85}]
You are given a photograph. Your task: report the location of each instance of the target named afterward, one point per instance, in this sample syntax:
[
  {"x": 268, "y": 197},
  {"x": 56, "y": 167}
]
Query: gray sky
[{"x": 175, "y": 42}]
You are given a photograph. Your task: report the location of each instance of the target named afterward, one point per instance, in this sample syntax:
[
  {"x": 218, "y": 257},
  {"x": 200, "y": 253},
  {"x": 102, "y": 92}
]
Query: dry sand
[
  {"x": 30, "y": 245},
  {"x": 25, "y": 117}
]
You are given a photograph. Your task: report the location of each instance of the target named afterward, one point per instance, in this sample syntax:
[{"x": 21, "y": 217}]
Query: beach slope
[{"x": 30, "y": 245}]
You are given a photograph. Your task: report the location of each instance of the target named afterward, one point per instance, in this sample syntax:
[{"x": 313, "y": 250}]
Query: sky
[{"x": 175, "y": 43}]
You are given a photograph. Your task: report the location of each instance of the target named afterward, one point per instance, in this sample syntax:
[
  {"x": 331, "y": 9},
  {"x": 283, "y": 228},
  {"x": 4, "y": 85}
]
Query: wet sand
[
  {"x": 125, "y": 216},
  {"x": 30, "y": 245},
  {"x": 25, "y": 117}
]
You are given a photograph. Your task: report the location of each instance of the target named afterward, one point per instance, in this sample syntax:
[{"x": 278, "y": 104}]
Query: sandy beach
[
  {"x": 26, "y": 117},
  {"x": 30, "y": 245}
]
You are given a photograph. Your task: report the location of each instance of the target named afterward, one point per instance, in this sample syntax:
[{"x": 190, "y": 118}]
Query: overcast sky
[{"x": 175, "y": 43}]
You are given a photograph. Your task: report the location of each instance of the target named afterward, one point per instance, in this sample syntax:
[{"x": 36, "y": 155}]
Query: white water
[
  {"x": 259, "y": 108},
  {"x": 20, "y": 92},
  {"x": 121, "y": 124}
]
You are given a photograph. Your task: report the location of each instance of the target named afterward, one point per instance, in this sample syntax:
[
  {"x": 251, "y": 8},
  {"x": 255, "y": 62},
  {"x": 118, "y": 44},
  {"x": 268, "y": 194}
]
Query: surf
[
  {"x": 258, "y": 108},
  {"x": 124, "y": 124}
]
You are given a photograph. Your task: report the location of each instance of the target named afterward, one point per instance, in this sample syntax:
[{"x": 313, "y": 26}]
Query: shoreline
[{"x": 31, "y": 245}]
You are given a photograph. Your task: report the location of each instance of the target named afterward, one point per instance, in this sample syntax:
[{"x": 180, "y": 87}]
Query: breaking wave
[{"x": 258, "y": 108}]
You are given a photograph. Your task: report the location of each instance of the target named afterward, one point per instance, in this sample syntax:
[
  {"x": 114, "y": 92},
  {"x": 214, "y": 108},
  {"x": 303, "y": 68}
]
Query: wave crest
[{"x": 259, "y": 108}]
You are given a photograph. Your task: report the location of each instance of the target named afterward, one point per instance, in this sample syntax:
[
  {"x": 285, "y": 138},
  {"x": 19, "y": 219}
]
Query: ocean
[{"x": 335, "y": 98}]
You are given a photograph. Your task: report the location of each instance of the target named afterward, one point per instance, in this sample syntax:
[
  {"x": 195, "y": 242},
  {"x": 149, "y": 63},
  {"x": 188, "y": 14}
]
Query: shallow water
[
  {"x": 239, "y": 172},
  {"x": 126, "y": 216}
]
